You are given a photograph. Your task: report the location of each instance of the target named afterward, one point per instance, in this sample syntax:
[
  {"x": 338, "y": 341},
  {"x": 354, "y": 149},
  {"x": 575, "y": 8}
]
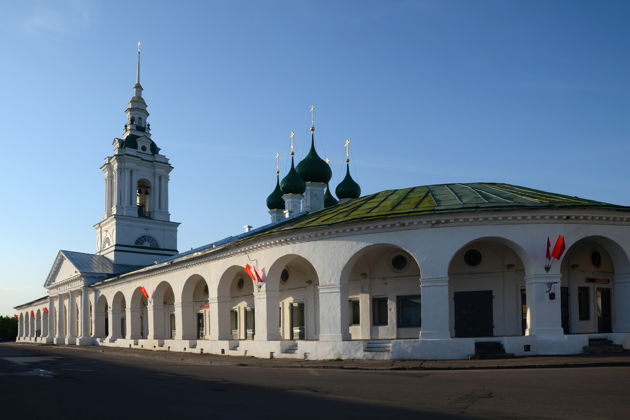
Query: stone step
[
  {"x": 378, "y": 346},
  {"x": 489, "y": 350},
  {"x": 600, "y": 349},
  {"x": 599, "y": 342}
]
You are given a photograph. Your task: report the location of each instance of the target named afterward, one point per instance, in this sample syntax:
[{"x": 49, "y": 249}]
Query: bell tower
[{"x": 136, "y": 227}]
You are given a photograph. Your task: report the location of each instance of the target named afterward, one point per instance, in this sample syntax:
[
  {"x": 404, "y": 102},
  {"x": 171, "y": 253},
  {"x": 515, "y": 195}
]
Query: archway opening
[
  {"x": 139, "y": 315},
  {"x": 119, "y": 316},
  {"x": 236, "y": 305},
  {"x": 102, "y": 318},
  {"x": 381, "y": 286},
  {"x": 38, "y": 324},
  {"x": 164, "y": 325},
  {"x": 195, "y": 309},
  {"x": 487, "y": 290},
  {"x": 591, "y": 301}
]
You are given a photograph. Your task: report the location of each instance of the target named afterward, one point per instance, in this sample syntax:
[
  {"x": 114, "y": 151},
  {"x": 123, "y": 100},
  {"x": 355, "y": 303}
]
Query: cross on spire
[
  {"x": 347, "y": 146},
  {"x": 277, "y": 163},
  {"x": 312, "y": 117},
  {"x": 292, "y": 143}
]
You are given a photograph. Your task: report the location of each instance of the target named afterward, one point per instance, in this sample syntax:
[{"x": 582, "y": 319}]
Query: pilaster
[
  {"x": 331, "y": 311},
  {"x": 543, "y": 305},
  {"x": 621, "y": 311},
  {"x": 435, "y": 308}
]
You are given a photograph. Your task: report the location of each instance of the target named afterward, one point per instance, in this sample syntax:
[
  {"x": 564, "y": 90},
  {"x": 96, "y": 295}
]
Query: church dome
[
  {"x": 275, "y": 201},
  {"x": 313, "y": 168},
  {"x": 348, "y": 188},
  {"x": 329, "y": 200},
  {"x": 292, "y": 183}
]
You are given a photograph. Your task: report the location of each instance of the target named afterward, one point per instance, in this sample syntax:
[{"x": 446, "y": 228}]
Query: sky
[{"x": 533, "y": 93}]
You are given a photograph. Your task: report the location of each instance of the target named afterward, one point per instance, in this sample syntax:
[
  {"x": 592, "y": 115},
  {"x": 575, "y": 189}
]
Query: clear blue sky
[{"x": 533, "y": 93}]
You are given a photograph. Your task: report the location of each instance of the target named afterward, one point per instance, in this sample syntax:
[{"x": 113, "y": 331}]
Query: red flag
[
  {"x": 248, "y": 270},
  {"x": 558, "y": 248},
  {"x": 204, "y": 306},
  {"x": 15, "y": 316},
  {"x": 144, "y": 292},
  {"x": 548, "y": 249},
  {"x": 46, "y": 310},
  {"x": 32, "y": 314},
  {"x": 258, "y": 278}
]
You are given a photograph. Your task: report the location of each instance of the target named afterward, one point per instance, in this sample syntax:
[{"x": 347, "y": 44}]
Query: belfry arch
[
  {"x": 487, "y": 291},
  {"x": 380, "y": 285}
]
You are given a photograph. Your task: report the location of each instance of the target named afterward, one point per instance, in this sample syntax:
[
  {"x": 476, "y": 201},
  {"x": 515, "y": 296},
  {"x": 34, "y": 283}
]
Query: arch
[
  {"x": 164, "y": 316},
  {"x": 21, "y": 333},
  {"x": 119, "y": 316},
  {"x": 101, "y": 320},
  {"x": 595, "y": 287},
  {"x": 380, "y": 293},
  {"x": 235, "y": 302},
  {"x": 143, "y": 197},
  {"x": 487, "y": 293},
  {"x": 194, "y": 299},
  {"x": 38, "y": 323},
  {"x": 292, "y": 299},
  {"x": 139, "y": 305}
]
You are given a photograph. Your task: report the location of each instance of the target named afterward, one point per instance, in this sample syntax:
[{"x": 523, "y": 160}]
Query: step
[
  {"x": 378, "y": 346},
  {"x": 600, "y": 349},
  {"x": 599, "y": 342},
  {"x": 290, "y": 348},
  {"x": 489, "y": 347}
]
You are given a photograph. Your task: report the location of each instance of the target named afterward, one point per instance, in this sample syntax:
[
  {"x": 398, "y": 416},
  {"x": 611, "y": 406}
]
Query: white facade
[{"x": 388, "y": 288}]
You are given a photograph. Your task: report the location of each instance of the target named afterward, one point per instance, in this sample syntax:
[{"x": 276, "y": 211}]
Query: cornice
[{"x": 368, "y": 227}]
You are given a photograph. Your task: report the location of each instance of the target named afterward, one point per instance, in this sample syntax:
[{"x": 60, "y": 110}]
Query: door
[
  {"x": 201, "y": 328},
  {"x": 564, "y": 308},
  {"x": 250, "y": 328},
  {"x": 297, "y": 321},
  {"x": 604, "y": 310},
  {"x": 523, "y": 311},
  {"x": 473, "y": 314}
]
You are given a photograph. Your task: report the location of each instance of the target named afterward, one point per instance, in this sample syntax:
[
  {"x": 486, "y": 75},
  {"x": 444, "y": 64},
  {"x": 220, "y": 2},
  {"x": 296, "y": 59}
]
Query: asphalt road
[{"x": 55, "y": 382}]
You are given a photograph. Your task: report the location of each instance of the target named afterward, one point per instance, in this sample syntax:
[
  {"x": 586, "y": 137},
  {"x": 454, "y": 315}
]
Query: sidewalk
[{"x": 620, "y": 359}]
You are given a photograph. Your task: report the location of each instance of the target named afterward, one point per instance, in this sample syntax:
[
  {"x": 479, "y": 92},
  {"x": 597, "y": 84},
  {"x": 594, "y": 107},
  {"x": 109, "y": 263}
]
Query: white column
[
  {"x": 84, "y": 338},
  {"x": 182, "y": 310},
  {"x": 72, "y": 318},
  {"x": 152, "y": 321},
  {"x": 435, "y": 308},
  {"x": 543, "y": 313},
  {"x": 128, "y": 321},
  {"x": 59, "y": 338},
  {"x": 114, "y": 324},
  {"x": 50, "y": 336},
  {"x": 621, "y": 298},
  {"x": 266, "y": 307},
  {"x": 331, "y": 311}
]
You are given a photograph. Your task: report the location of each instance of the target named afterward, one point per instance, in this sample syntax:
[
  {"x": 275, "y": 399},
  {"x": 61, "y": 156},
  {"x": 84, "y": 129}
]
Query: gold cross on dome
[
  {"x": 312, "y": 116},
  {"x": 277, "y": 163},
  {"x": 292, "y": 143},
  {"x": 347, "y": 146}
]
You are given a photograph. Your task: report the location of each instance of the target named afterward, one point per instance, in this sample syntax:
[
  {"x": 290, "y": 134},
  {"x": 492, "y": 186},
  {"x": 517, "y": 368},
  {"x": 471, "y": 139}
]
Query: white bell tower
[{"x": 136, "y": 228}]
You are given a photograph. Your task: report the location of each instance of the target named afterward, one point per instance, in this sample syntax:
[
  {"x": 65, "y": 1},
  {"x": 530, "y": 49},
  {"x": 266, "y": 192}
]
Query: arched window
[{"x": 143, "y": 198}]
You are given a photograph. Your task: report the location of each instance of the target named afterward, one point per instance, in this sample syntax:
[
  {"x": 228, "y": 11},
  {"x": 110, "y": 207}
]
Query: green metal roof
[{"x": 443, "y": 198}]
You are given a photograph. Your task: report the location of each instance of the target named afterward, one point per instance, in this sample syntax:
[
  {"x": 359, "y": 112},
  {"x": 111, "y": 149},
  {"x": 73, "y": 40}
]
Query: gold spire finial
[
  {"x": 292, "y": 143},
  {"x": 312, "y": 117},
  {"x": 347, "y": 146},
  {"x": 277, "y": 163},
  {"x": 138, "y": 69}
]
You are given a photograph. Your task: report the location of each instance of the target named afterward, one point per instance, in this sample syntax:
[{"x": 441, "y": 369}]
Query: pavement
[{"x": 531, "y": 362}]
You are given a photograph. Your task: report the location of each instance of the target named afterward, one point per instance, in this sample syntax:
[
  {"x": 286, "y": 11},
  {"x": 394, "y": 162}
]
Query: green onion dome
[
  {"x": 313, "y": 168},
  {"x": 275, "y": 201},
  {"x": 292, "y": 183},
  {"x": 329, "y": 200},
  {"x": 348, "y": 188}
]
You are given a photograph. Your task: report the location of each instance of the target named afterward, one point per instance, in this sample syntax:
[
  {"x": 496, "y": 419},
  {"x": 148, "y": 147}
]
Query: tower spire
[{"x": 138, "y": 68}]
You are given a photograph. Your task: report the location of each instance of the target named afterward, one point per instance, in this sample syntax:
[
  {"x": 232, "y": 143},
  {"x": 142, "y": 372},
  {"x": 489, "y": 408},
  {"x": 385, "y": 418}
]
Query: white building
[{"x": 417, "y": 273}]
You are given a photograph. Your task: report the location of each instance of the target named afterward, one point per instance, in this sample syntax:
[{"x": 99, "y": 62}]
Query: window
[
  {"x": 408, "y": 308},
  {"x": 379, "y": 311},
  {"x": 584, "y": 304},
  {"x": 234, "y": 319},
  {"x": 355, "y": 312}
]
